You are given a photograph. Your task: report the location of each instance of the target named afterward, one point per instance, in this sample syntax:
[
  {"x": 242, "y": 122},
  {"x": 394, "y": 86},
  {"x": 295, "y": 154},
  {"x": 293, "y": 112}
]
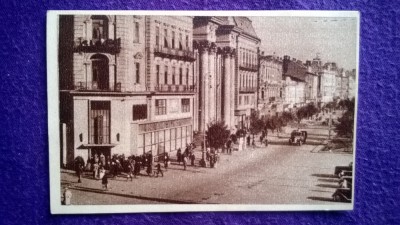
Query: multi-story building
[
  {"x": 351, "y": 83},
  {"x": 294, "y": 74},
  {"x": 227, "y": 67},
  {"x": 126, "y": 84},
  {"x": 270, "y": 88},
  {"x": 311, "y": 88},
  {"x": 328, "y": 82}
]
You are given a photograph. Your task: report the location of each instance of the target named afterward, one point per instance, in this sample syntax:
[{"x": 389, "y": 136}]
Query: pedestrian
[
  {"x": 102, "y": 159},
  {"x": 95, "y": 169},
  {"x": 212, "y": 161},
  {"x": 192, "y": 159},
  {"x": 143, "y": 161},
  {"x": 266, "y": 142},
  {"x": 228, "y": 146},
  {"x": 179, "y": 155},
  {"x": 184, "y": 161},
  {"x": 166, "y": 161},
  {"x": 158, "y": 167},
  {"x": 102, "y": 172},
  {"x": 208, "y": 154},
  {"x": 131, "y": 171},
  {"x": 79, "y": 170},
  {"x": 149, "y": 170},
  {"x": 248, "y": 140},
  {"x": 137, "y": 167},
  {"x": 104, "y": 181}
]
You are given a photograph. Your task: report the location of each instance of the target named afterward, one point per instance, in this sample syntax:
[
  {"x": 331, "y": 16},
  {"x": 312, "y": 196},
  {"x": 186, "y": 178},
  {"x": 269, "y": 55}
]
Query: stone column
[
  {"x": 205, "y": 88},
  {"x": 228, "y": 94},
  {"x": 233, "y": 93},
  {"x": 212, "y": 86}
]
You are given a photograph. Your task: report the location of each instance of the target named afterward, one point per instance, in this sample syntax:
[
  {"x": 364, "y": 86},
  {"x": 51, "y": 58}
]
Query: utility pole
[{"x": 330, "y": 124}]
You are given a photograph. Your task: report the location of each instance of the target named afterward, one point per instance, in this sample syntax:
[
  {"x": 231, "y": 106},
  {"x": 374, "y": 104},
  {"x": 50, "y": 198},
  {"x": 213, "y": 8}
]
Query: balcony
[
  {"x": 94, "y": 87},
  {"x": 184, "y": 55},
  {"x": 175, "y": 88},
  {"x": 247, "y": 89},
  {"x": 104, "y": 46},
  {"x": 249, "y": 67}
]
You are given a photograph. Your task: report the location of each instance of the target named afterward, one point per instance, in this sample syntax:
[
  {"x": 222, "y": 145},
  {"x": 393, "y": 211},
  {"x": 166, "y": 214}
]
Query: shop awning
[{"x": 87, "y": 146}]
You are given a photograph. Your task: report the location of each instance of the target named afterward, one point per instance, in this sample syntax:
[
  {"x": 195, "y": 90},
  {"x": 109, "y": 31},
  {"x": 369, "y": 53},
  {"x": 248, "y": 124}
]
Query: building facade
[
  {"x": 294, "y": 74},
  {"x": 328, "y": 82},
  {"x": 270, "y": 89},
  {"x": 126, "y": 84},
  {"x": 227, "y": 70}
]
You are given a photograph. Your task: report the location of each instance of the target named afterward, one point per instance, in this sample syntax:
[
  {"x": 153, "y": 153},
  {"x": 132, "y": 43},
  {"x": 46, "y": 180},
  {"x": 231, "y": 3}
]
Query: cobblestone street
[{"x": 277, "y": 174}]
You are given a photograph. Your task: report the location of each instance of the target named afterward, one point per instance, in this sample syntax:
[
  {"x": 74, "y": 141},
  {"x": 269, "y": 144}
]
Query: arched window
[
  {"x": 100, "y": 29},
  {"x": 100, "y": 72}
]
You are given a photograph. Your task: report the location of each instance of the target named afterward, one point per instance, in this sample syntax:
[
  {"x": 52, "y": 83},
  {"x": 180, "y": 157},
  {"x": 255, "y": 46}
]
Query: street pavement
[{"x": 277, "y": 174}]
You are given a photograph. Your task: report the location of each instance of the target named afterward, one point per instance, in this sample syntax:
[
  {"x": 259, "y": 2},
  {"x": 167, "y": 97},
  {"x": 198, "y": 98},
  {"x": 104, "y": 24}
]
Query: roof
[
  {"x": 295, "y": 70},
  {"x": 245, "y": 24}
]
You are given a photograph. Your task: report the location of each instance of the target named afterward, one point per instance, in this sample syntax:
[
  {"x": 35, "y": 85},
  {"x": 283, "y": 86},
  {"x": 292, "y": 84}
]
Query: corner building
[
  {"x": 126, "y": 84},
  {"x": 226, "y": 68}
]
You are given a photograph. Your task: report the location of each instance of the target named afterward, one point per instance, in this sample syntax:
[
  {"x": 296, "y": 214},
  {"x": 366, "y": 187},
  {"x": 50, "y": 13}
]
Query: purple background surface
[{"x": 24, "y": 188}]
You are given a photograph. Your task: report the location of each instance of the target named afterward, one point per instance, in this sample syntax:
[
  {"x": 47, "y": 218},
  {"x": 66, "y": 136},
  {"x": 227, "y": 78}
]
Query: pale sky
[{"x": 303, "y": 37}]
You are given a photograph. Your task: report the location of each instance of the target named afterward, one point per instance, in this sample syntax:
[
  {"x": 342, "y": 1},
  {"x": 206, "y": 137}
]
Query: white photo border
[{"x": 54, "y": 120}]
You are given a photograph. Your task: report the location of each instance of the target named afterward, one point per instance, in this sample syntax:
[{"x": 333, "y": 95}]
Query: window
[
  {"x": 100, "y": 70},
  {"x": 180, "y": 76},
  {"x": 187, "y": 76},
  {"x": 185, "y": 105},
  {"x": 99, "y": 28},
  {"x": 166, "y": 38},
  {"x": 99, "y": 122},
  {"x": 246, "y": 100},
  {"x": 187, "y": 42},
  {"x": 173, "y": 40},
  {"x": 240, "y": 100},
  {"x": 166, "y": 75},
  {"x": 137, "y": 73},
  {"x": 161, "y": 107},
  {"x": 157, "y": 36},
  {"x": 158, "y": 74},
  {"x": 136, "y": 34},
  {"x": 173, "y": 75},
  {"x": 139, "y": 112},
  {"x": 180, "y": 41}
]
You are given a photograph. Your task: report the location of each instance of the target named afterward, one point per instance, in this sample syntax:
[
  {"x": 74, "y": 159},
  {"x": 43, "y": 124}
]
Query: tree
[
  {"x": 217, "y": 134},
  {"x": 306, "y": 111},
  {"x": 256, "y": 123},
  {"x": 346, "y": 122}
]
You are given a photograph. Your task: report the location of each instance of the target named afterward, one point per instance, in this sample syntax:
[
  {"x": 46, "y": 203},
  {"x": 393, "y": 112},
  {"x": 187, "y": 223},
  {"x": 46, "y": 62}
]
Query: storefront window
[
  {"x": 167, "y": 141},
  {"x": 140, "y": 143},
  {"x": 147, "y": 142},
  {"x": 173, "y": 138}
]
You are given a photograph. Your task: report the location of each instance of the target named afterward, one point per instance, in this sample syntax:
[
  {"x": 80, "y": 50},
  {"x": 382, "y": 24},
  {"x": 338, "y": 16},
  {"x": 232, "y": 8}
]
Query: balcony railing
[
  {"x": 184, "y": 55},
  {"x": 108, "y": 46},
  {"x": 249, "y": 67},
  {"x": 174, "y": 88},
  {"x": 247, "y": 89},
  {"x": 87, "y": 86}
]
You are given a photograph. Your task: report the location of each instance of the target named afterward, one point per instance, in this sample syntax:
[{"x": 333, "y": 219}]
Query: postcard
[{"x": 177, "y": 111}]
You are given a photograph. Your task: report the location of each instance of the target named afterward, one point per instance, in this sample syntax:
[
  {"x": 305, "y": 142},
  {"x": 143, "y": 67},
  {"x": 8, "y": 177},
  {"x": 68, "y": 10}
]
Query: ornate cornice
[
  {"x": 204, "y": 45},
  {"x": 227, "y": 51}
]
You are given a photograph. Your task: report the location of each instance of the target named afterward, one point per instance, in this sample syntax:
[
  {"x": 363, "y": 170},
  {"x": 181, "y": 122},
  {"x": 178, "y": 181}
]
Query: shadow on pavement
[
  {"x": 328, "y": 185},
  {"x": 331, "y": 180},
  {"x": 323, "y": 175},
  {"x": 321, "y": 199},
  {"x": 100, "y": 191}
]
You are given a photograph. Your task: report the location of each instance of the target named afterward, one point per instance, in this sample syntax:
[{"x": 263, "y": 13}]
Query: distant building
[
  {"x": 328, "y": 82},
  {"x": 294, "y": 74},
  {"x": 352, "y": 83},
  {"x": 126, "y": 84},
  {"x": 270, "y": 90}
]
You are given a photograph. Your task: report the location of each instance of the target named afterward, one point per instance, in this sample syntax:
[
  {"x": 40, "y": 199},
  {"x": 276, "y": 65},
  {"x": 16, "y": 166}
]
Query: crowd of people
[{"x": 103, "y": 167}]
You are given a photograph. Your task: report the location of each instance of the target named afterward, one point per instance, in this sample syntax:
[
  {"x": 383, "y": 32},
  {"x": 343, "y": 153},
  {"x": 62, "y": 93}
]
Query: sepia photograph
[{"x": 164, "y": 111}]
